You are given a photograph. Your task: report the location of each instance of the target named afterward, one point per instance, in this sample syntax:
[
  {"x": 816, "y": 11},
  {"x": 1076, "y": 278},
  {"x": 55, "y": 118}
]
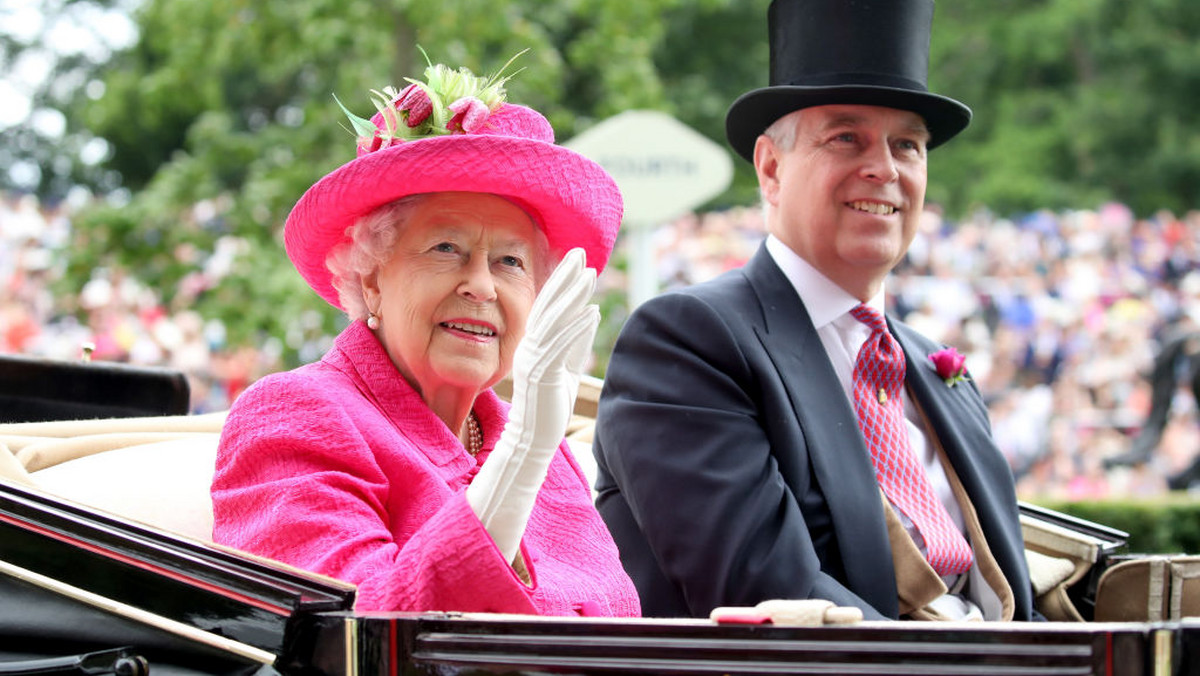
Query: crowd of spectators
[
  {"x": 117, "y": 316},
  {"x": 1060, "y": 314}
]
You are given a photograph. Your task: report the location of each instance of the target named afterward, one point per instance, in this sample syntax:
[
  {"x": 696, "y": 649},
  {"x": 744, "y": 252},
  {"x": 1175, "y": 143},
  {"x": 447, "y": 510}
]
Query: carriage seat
[
  {"x": 154, "y": 470},
  {"x": 157, "y": 470}
]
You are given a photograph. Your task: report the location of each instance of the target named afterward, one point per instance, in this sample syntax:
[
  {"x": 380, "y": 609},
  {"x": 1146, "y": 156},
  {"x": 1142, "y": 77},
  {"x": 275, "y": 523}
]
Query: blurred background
[{"x": 150, "y": 151}]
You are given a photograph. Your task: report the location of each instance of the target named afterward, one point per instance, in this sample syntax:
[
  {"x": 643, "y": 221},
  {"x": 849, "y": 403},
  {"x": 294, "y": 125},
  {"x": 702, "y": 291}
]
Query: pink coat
[{"x": 340, "y": 468}]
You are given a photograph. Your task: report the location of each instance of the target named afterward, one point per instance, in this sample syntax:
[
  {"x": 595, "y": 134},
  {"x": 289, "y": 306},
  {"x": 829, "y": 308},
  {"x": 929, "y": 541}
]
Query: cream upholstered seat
[
  {"x": 164, "y": 484},
  {"x": 155, "y": 471}
]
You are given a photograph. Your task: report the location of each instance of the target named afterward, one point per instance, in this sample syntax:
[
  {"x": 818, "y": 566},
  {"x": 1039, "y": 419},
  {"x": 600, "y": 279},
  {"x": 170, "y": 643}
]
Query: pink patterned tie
[{"x": 878, "y": 377}]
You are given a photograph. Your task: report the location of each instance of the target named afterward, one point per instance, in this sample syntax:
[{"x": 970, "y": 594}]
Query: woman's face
[{"x": 453, "y": 298}]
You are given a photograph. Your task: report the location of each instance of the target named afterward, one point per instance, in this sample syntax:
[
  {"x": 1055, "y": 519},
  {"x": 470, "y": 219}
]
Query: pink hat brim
[{"x": 574, "y": 200}]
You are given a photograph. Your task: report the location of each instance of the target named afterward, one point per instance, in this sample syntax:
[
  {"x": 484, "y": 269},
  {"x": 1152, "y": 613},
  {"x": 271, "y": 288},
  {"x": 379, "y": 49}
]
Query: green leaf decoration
[
  {"x": 443, "y": 85},
  {"x": 362, "y": 127}
]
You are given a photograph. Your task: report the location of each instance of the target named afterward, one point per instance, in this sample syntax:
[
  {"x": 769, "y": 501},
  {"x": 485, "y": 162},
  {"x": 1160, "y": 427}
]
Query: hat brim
[
  {"x": 576, "y": 202},
  {"x": 754, "y": 111}
]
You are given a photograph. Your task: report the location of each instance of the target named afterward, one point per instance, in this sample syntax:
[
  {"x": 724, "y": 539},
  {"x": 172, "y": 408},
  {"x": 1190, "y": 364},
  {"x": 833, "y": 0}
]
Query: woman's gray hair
[{"x": 372, "y": 239}]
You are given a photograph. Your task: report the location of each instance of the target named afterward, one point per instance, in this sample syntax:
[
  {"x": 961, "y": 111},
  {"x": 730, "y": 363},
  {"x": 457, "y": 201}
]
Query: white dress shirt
[{"x": 842, "y": 335}]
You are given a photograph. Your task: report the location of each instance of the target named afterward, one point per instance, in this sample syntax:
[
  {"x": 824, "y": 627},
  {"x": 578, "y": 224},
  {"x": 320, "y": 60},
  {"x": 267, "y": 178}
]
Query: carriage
[{"x": 106, "y": 568}]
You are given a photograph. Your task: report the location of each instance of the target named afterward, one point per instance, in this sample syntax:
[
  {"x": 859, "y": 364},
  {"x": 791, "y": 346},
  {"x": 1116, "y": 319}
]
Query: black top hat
[{"x": 868, "y": 52}]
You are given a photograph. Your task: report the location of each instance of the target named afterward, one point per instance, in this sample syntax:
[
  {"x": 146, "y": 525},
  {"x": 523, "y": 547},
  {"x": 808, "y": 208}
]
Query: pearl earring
[{"x": 372, "y": 321}]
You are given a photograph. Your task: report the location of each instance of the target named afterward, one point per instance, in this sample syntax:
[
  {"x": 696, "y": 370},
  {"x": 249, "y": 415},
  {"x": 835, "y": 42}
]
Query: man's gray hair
[{"x": 782, "y": 132}]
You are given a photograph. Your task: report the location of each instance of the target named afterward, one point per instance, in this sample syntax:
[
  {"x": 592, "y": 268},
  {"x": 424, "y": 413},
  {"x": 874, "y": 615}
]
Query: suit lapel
[
  {"x": 946, "y": 407},
  {"x": 958, "y": 418},
  {"x": 838, "y": 455}
]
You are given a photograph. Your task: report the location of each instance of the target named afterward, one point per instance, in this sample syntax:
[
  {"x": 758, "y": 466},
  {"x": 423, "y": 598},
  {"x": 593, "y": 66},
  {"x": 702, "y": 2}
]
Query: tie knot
[{"x": 868, "y": 316}]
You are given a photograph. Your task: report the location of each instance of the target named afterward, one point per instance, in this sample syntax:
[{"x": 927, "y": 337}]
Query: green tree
[
  {"x": 228, "y": 104},
  {"x": 1076, "y": 102},
  {"x": 70, "y": 40},
  {"x": 221, "y": 114},
  {"x": 712, "y": 53}
]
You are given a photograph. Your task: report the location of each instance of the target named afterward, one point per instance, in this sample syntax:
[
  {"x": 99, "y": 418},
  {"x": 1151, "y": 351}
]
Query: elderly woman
[{"x": 456, "y": 242}]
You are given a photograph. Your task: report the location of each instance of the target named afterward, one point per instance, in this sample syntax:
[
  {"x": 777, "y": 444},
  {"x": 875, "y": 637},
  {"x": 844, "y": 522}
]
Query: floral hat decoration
[{"x": 455, "y": 131}]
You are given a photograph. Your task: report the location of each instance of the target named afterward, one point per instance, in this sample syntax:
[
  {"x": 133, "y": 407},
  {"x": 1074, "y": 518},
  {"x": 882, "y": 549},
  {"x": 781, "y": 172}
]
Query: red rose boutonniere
[{"x": 951, "y": 366}]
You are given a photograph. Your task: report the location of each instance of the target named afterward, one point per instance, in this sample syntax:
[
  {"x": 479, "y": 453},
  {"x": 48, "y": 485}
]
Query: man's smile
[{"x": 878, "y": 208}]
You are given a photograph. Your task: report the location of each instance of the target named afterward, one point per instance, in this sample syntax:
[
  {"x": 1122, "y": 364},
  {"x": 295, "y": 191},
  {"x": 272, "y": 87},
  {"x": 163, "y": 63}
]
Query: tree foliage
[
  {"x": 34, "y": 156},
  {"x": 221, "y": 114},
  {"x": 712, "y": 53},
  {"x": 228, "y": 104},
  {"x": 1076, "y": 102}
]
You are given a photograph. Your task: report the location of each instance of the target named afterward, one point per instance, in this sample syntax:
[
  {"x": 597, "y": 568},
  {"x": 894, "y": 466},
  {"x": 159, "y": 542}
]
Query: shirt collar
[{"x": 825, "y": 301}]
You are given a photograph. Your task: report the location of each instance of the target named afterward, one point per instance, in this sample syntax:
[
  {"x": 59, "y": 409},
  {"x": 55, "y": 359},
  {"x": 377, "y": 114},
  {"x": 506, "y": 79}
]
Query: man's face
[{"x": 847, "y": 196}]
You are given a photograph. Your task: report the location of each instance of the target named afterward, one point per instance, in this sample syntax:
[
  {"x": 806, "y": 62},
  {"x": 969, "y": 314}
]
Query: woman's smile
[{"x": 470, "y": 330}]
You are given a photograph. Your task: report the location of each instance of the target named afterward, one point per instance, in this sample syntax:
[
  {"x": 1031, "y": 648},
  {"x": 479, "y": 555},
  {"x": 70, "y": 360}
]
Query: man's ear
[{"x": 766, "y": 166}]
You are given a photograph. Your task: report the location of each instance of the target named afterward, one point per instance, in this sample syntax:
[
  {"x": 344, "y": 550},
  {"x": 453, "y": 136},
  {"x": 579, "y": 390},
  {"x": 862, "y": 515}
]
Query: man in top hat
[{"x": 770, "y": 434}]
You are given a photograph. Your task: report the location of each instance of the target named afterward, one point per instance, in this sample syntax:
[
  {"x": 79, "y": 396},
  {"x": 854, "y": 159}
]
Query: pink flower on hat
[
  {"x": 950, "y": 364},
  {"x": 414, "y": 104},
  {"x": 509, "y": 152},
  {"x": 469, "y": 114},
  {"x": 369, "y": 144},
  {"x": 419, "y": 111}
]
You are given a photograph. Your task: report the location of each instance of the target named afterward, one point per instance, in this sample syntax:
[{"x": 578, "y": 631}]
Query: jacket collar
[{"x": 358, "y": 353}]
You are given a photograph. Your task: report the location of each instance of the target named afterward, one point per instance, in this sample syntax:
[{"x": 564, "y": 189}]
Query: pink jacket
[{"x": 340, "y": 468}]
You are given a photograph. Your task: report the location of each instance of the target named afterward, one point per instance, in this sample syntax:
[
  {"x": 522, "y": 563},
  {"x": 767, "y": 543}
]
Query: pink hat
[{"x": 477, "y": 143}]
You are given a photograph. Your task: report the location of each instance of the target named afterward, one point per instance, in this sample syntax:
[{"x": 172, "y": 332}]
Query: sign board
[{"x": 663, "y": 167}]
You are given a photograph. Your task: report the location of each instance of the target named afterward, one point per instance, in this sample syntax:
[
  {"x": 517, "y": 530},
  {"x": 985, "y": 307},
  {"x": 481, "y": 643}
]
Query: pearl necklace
[{"x": 474, "y": 435}]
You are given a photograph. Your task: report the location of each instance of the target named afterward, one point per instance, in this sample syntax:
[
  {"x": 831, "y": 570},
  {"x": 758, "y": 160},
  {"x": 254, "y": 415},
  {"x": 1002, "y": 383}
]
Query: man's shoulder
[
  {"x": 729, "y": 291},
  {"x": 711, "y": 325}
]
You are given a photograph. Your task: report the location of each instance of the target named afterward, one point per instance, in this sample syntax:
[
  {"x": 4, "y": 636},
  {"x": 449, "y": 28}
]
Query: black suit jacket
[{"x": 732, "y": 469}]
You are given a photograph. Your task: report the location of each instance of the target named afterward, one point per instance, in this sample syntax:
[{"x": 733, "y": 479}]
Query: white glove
[{"x": 545, "y": 376}]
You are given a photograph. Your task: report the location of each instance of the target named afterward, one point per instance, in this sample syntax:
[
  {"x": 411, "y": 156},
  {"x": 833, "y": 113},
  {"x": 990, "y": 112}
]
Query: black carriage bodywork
[
  {"x": 77, "y": 582},
  {"x": 86, "y": 592}
]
